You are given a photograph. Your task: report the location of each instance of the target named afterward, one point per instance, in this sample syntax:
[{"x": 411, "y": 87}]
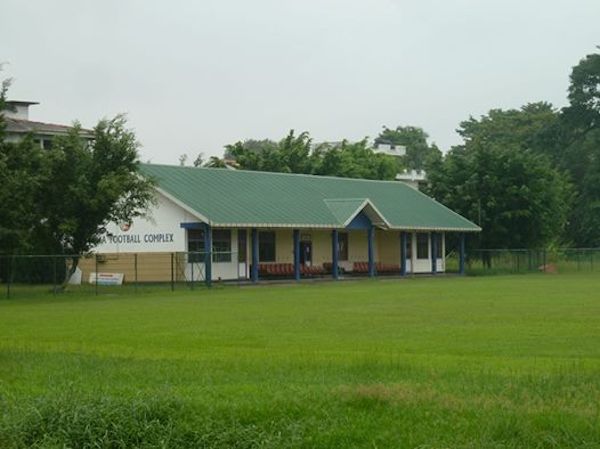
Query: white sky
[{"x": 195, "y": 75}]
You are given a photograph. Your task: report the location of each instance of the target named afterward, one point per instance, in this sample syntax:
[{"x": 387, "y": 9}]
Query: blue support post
[
  {"x": 371, "y": 245},
  {"x": 334, "y": 254},
  {"x": 254, "y": 272},
  {"x": 461, "y": 254},
  {"x": 208, "y": 254},
  {"x": 403, "y": 252},
  {"x": 297, "y": 254},
  {"x": 433, "y": 237}
]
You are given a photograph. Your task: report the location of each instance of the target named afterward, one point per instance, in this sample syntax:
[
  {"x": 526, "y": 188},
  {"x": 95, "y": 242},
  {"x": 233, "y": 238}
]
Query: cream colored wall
[
  {"x": 284, "y": 246},
  {"x": 388, "y": 245},
  {"x": 321, "y": 246},
  {"x": 358, "y": 246}
]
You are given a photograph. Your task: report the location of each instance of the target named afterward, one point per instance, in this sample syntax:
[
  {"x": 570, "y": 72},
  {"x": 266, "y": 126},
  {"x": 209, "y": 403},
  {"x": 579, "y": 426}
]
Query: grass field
[{"x": 490, "y": 362}]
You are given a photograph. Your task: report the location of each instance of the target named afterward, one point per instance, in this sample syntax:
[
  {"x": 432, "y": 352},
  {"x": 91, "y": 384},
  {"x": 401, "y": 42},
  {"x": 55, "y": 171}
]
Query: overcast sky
[{"x": 195, "y": 75}]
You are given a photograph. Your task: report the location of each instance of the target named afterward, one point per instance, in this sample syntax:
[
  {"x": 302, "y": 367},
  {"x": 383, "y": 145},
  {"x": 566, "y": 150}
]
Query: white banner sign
[{"x": 106, "y": 278}]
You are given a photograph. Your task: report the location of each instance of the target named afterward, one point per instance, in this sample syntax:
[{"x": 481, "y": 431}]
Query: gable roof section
[
  {"x": 345, "y": 209},
  {"x": 259, "y": 199}
]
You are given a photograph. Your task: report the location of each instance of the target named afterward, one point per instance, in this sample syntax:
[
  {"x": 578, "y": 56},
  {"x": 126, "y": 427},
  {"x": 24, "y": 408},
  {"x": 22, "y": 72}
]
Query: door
[{"x": 306, "y": 253}]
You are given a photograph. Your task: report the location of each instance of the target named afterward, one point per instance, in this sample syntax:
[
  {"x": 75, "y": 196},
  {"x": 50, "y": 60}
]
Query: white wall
[
  {"x": 161, "y": 232},
  {"x": 424, "y": 265}
]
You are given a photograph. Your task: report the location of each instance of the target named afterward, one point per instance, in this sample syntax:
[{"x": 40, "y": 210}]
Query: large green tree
[
  {"x": 295, "y": 153},
  {"x": 88, "y": 185},
  {"x": 579, "y": 151},
  {"x": 518, "y": 198},
  {"x": 529, "y": 128},
  {"x": 60, "y": 201},
  {"x": 353, "y": 160},
  {"x": 22, "y": 173}
]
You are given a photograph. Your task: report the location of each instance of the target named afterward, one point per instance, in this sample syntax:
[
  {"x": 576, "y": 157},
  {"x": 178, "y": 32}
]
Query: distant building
[
  {"x": 18, "y": 125},
  {"x": 414, "y": 178},
  {"x": 390, "y": 149}
]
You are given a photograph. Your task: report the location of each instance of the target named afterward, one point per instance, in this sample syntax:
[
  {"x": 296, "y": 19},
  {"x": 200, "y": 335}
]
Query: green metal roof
[{"x": 226, "y": 198}]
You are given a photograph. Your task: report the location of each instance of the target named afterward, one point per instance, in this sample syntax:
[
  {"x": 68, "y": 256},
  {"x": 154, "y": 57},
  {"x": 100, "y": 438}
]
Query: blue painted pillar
[
  {"x": 254, "y": 271},
  {"x": 297, "y": 254},
  {"x": 371, "y": 247},
  {"x": 334, "y": 254},
  {"x": 208, "y": 255},
  {"x": 461, "y": 254},
  {"x": 433, "y": 237},
  {"x": 403, "y": 252}
]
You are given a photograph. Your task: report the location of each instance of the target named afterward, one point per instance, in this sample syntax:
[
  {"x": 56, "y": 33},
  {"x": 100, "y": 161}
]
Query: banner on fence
[{"x": 106, "y": 278}]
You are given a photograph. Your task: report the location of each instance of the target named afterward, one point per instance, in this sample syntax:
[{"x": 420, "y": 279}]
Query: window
[
  {"x": 221, "y": 243},
  {"x": 47, "y": 144},
  {"x": 266, "y": 246},
  {"x": 422, "y": 245},
  {"x": 242, "y": 245},
  {"x": 196, "y": 245},
  {"x": 342, "y": 246},
  {"x": 409, "y": 245},
  {"x": 438, "y": 245}
]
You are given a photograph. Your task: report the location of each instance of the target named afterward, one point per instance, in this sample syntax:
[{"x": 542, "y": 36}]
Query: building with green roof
[{"x": 236, "y": 224}]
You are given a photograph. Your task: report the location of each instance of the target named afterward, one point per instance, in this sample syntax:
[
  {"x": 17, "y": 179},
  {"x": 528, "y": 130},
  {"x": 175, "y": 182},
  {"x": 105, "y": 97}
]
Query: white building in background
[
  {"x": 413, "y": 178},
  {"x": 390, "y": 149},
  {"x": 18, "y": 125}
]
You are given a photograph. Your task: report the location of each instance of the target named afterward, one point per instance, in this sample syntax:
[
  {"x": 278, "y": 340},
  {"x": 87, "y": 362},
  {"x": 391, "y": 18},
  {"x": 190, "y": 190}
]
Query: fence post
[
  {"x": 545, "y": 261},
  {"x": 54, "y": 274},
  {"x": 9, "y": 275},
  {"x": 592, "y": 260},
  {"x": 461, "y": 254},
  {"x": 192, "y": 268},
  {"x": 96, "y": 268},
  {"x": 135, "y": 270},
  {"x": 172, "y": 272}
]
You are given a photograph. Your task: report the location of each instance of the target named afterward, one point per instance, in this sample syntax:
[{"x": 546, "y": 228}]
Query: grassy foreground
[{"x": 496, "y": 362}]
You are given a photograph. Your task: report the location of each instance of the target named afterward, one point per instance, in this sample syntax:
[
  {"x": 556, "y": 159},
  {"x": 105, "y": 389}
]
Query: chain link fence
[
  {"x": 514, "y": 261},
  {"x": 113, "y": 274},
  {"x": 101, "y": 273}
]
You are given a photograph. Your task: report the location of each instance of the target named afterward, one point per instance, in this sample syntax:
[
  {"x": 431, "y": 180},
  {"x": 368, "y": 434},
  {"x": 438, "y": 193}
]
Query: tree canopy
[
  {"x": 517, "y": 197},
  {"x": 295, "y": 153},
  {"x": 60, "y": 201}
]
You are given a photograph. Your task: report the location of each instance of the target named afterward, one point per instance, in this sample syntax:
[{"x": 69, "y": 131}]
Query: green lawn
[{"x": 496, "y": 362}]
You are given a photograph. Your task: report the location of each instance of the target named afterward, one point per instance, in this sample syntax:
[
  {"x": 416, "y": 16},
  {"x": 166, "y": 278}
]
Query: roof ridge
[
  {"x": 346, "y": 199},
  {"x": 308, "y": 175}
]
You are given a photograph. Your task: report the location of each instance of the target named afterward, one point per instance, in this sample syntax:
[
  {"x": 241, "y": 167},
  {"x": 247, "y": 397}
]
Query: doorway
[{"x": 306, "y": 253}]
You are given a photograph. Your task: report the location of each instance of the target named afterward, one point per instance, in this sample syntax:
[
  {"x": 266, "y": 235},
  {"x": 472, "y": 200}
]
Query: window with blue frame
[
  {"x": 422, "y": 245},
  {"x": 221, "y": 242},
  {"x": 195, "y": 246}
]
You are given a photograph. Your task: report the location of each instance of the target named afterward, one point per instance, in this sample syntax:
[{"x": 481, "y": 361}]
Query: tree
[
  {"x": 290, "y": 155},
  {"x": 580, "y": 149},
  {"x": 297, "y": 154},
  {"x": 22, "y": 171},
  {"x": 415, "y": 141},
  {"x": 199, "y": 161},
  {"x": 518, "y": 198},
  {"x": 87, "y": 186},
  {"x": 529, "y": 128},
  {"x": 215, "y": 162},
  {"x": 353, "y": 160}
]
